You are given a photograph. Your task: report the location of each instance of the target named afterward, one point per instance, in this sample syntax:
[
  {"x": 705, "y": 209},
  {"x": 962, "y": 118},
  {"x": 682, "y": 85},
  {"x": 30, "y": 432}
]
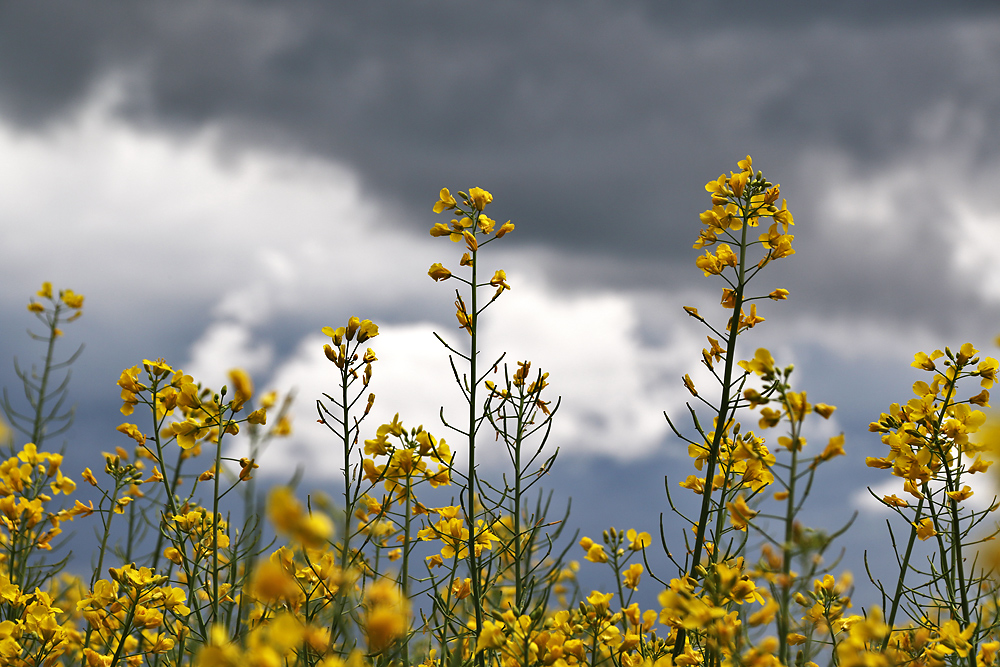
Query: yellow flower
[
  {"x": 486, "y": 224},
  {"x": 600, "y": 601},
  {"x": 366, "y": 330},
  {"x": 987, "y": 370},
  {"x": 243, "y": 386},
  {"x": 445, "y": 201},
  {"x": 499, "y": 280},
  {"x": 440, "y": 229},
  {"x": 925, "y": 361},
  {"x": 46, "y": 291},
  {"x": 505, "y": 228},
  {"x": 631, "y": 575},
  {"x": 761, "y": 364},
  {"x": 637, "y": 541},
  {"x": 247, "y": 467},
  {"x": 36, "y": 307},
  {"x": 696, "y": 484},
  {"x": 479, "y": 198},
  {"x": 783, "y": 216},
  {"x": 719, "y": 188},
  {"x": 751, "y": 320},
  {"x": 740, "y": 513},
  {"x": 824, "y": 410},
  {"x": 438, "y": 272},
  {"x": 132, "y": 431},
  {"x": 491, "y": 636},
  {"x": 925, "y": 529},
  {"x": 387, "y": 617},
  {"x": 894, "y": 501},
  {"x": 959, "y": 496},
  {"x": 283, "y": 427},
  {"x": 833, "y": 448},
  {"x": 71, "y": 299},
  {"x": 595, "y": 554}
]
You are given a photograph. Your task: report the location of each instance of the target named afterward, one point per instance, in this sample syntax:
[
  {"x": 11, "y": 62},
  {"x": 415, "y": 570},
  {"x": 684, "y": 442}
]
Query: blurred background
[{"x": 221, "y": 180}]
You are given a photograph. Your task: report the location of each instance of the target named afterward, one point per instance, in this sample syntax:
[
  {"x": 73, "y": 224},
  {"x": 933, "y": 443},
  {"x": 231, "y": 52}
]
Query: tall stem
[
  {"x": 37, "y": 431},
  {"x": 720, "y": 425},
  {"x": 470, "y": 513}
]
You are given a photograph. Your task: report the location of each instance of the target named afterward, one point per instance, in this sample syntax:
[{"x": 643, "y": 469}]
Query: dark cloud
[
  {"x": 583, "y": 116},
  {"x": 595, "y": 125}
]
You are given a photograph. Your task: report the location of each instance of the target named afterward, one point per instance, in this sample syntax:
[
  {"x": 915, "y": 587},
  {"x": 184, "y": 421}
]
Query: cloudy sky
[{"x": 223, "y": 179}]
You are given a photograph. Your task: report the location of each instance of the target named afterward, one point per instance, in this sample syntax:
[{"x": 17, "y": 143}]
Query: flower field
[{"x": 197, "y": 565}]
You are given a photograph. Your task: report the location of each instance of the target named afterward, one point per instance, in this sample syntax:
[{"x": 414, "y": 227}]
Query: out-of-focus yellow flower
[
  {"x": 71, "y": 299},
  {"x": 46, "y": 291},
  {"x": 761, "y": 364},
  {"x": 387, "y": 615},
  {"x": 286, "y": 513},
  {"x": 824, "y": 410},
  {"x": 283, "y": 427},
  {"x": 835, "y": 447},
  {"x": 272, "y": 583},
  {"x": 242, "y": 386}
]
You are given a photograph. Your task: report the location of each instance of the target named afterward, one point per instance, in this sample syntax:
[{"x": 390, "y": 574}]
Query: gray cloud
[{"x": 585, "y": 117}]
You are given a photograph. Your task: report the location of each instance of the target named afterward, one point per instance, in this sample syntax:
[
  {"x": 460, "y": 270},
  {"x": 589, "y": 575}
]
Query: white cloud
[
  {"x": 613, "y": 386},
  {"x": 223, "y": 346},
  {"x": 167, "y": 220},
  {"x": 983, "y": 487}
]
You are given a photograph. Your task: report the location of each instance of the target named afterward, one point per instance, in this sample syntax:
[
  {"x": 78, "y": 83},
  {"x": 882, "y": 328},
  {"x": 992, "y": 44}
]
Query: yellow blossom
[
  {"x": 479, "y": 198},
  {"x": 438, "y": 272},
  {"x": 445, "y": 201},
  {"x": 740, "y": 513},
  {"x": 925, "y": 529}
]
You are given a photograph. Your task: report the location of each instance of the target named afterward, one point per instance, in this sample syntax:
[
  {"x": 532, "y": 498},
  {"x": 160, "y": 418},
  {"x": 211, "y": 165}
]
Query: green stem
[
  {"x": 348, "y": 504},
  {"x": 470, "y": 514},
  {"x": 215, "y": 511},
  {"x": 720, "y": 426},
  {"x": 37, "y": 434},
  {"x": 784, "y": 617},
  {"x": 903, "y": 568}
]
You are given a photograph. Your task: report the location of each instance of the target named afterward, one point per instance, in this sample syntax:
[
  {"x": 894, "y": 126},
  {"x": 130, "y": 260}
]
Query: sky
[{"x": 221, "y": 180}]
